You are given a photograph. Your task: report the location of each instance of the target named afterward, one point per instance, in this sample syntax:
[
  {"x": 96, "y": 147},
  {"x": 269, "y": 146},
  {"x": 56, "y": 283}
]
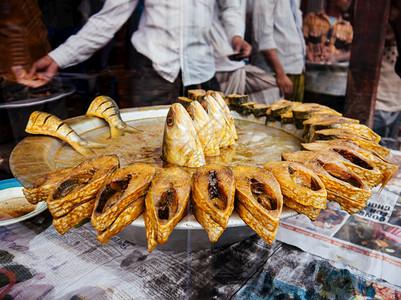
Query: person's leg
[{"x": 387, "y": 124}]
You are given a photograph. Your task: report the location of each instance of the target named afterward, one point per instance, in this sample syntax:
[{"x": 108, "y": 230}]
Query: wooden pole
[{"x": 370, "y": 19}]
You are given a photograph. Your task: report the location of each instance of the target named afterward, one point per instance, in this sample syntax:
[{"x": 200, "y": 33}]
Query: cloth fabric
[
  {"x": 174, "y": 35},
  {"x": 259, "y": 85},
  {"x": 388, "y": 96},
  {"x": 387, "y": 125},
  {"x": 298, "y": 86},
  {"x": 277, "y": 25},
  {"x": 334, "y": 38},
  {"x": 387, "y": 118}
]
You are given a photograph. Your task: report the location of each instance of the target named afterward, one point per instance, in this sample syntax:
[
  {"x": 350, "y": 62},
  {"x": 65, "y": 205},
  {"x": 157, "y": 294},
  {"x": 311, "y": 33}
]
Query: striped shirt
[
  {"x": 277, "y": 24},
  {"x": 335, "y": 38},
  {"x": 173, "y": 34}
]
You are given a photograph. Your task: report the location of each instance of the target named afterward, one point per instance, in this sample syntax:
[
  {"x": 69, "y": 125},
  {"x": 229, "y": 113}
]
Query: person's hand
[
  {"x": 284, "y": 84},
  {"x": 316, "y": 53},
  {"x": 47, "y": 66},
  {"x": 242, "y": 49}
]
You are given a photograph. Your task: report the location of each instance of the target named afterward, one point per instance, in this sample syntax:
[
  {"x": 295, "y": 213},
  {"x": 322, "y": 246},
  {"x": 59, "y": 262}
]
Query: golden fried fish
[
  {"x": 47, "y": 124},
  {"x": 230, "y": 120},
  {"x": 104, "y": 107},
  {"x": 181, "y": 145},
  {"x": 204, "y": 129},
  {"x": 41, "y": 188},
  {"x": 305, "y": 111},
  {"x": 259, "y": 201},
  {"x": 323, "y": 121},
  {"x": 225, "y": 135},
  {"x": 338, "y": 133},
  {"x": 126, "y": 217},
  {"x": 166, "y": 204},
  {"x": 213, "y": 192},
  {"x": 342, "y": 184},
  {"x": 121, "y": 188},
  {"x": 387, "y": 168},
  {"x": 81, "y": 185},
  {"x": 74, "y": 217},
  {"x": 359, "y": 164},
  {"x": 302, "y": 189}
]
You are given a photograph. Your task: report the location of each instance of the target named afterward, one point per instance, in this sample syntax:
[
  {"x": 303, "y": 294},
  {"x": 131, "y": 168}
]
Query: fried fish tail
[
  {"x": 106, "y": 108},
  {"x": 47, "y": 124}
]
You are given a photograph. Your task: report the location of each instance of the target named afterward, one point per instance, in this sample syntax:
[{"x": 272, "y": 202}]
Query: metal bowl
[{"x": 35, "y": 156}]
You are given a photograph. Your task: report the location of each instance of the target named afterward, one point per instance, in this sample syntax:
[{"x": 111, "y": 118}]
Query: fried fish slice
[
  {"x": 225, "y": 135},
  {"x": 387, "y": 168},
  {"x": 332, "y": 134},
  {"x": 259, "y": 201},
  {"x": 342, "y": 185},
  {"x": 213, "y": 192},
  {"x": 359, "y": 164},
  {"x": 81, "y": 185},
  {"x": 126, "y": 217},
  {"x": 74, "y": 217},
  {"x": 104, "y": 107},
  {"x": 323, "y": 121},
  {"x": 281, "y": 107},
  {"x": 230, "y": 120},
  {"x": 40, "y": 189},
  {"x": 47, "y": 124},
  {"x": 302, "y": 189},
  {"x": 166, "y": 203},
  {"x": 306, "y": 111},
  {"x": 204, "y": 129},
  {"x": 181, "y": 145},
  {"x": 121, "y": 188}
]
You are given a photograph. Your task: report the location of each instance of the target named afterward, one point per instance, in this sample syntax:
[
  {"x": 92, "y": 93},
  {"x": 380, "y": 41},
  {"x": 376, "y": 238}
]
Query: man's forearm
[{"x": 273, "y": 61}]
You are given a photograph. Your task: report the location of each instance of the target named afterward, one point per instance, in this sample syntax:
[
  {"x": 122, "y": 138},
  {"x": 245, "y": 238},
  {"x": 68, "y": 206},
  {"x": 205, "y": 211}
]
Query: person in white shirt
[
  {"x": 172, "y": 36},
  {"x": 279, "y": 43},
  {"x": 238, "y": 76}
]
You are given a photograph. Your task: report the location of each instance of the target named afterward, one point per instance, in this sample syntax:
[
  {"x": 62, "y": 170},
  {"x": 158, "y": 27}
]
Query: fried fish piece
[
  {"x": 166, "y": 204},
  {"x": 323, "y": 121},
  {"x": 259, "y": 201},
  {"x": 181, "y": 145},
  {"x": 359, "y": 164},
  {"x": 338, "y": 133},
  {"x": 213, "y": 192},
  {"x": 121, "y": 188},
  {"x": 74, "y": 217},
  {"x": 387, "y": 168},
  {"x": 204, "y": 129},
  {"x": 302, "y": 189},
  {"x": 342, "y": 184},
  {"x": 229, "y": 118},
  {"x": 281, "y": 107},
  {"x": 47, "y": 124},
  {"x": 81, "y": 185},
  {"x": 106, "y": 108},
  {"x": 40, "y": 189},
  {"x": 126, "y": 217},
  {"x": 225, "y": 135},
  {"x": 305, "y": 111}
]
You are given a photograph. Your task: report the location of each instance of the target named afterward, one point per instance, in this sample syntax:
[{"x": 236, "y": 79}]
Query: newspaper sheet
[{"x": 369, "y": 240}]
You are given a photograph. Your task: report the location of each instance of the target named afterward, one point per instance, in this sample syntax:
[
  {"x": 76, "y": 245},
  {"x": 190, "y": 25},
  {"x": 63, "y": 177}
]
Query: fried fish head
[{"x": 181, "y": 145}]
